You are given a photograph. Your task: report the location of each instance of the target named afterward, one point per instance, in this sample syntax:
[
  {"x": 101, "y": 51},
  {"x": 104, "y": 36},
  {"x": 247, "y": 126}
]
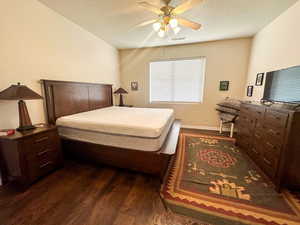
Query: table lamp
[
  {"x": 121, "y": 91},
  {"x": 21, "y": 93}
]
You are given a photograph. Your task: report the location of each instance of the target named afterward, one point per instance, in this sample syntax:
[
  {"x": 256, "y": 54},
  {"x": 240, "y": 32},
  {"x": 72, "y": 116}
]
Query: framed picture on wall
[
  {"x": 134, "y": 86},
  {"x": 224, "y": 86},
  {"x": 250, "y": 90},
  {"x": 259, "y": 79}
]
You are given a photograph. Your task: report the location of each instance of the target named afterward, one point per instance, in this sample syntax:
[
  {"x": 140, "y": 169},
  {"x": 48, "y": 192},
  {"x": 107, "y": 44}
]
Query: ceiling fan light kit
[
  {"x": 174, "y": 23},
  {"x": 168, "y": 17},
  {"x": 156, "y": 26}
]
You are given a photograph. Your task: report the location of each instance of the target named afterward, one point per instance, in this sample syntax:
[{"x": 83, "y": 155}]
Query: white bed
[{"x": 142, "y": 129}]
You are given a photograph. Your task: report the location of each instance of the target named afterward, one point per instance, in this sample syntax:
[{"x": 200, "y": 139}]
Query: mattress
[
  {"x": 139, "y": 122},
  {"x": 142, "y": 129}
]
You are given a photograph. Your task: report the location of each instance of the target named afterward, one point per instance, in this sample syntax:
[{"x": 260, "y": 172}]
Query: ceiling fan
[{"x": 168, "y": 16}]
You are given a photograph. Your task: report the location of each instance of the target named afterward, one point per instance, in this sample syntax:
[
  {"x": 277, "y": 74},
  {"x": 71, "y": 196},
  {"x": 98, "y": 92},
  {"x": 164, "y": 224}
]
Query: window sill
[{"x": 175, "y": 103}]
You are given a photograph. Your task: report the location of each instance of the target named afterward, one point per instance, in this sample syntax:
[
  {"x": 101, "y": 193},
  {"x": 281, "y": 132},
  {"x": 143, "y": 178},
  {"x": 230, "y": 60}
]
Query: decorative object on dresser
[
  {"x": 21, "y": 93},
  {"x": 229, "y": 110},
  {"x": 121, "y": 91},
  {"x": 29, "y": 155},
  {"x": 259, "y": 79},
  {"x": 224, "y": 86},
  {"x": 250, "y": 90},
  {"x": 7, "y": 132},
  {"x": 270, "y": 136}
]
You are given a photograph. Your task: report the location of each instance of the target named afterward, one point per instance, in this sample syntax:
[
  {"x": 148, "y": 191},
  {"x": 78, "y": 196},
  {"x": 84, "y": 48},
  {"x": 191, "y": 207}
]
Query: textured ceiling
[{"x": 115, "y": 21}]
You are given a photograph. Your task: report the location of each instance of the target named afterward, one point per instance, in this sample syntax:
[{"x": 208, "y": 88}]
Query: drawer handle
[
  {"x": 267, "y": 161},
  {"x": 44, "y": 152},
  {"x": 274, "y": 132},
  {"x": 256, "y": 135},
  {"x": 268, "y": 143},
  {"x": 254, "y": 150},
  {"x": 41, "y": 139},
  {"x": 46, "y": 164},
  {"x": 272, "y": 146}
]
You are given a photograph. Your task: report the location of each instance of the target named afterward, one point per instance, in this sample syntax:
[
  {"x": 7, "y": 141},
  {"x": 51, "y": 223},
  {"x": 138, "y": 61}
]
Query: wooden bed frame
[{"x": 66, "y": 98}]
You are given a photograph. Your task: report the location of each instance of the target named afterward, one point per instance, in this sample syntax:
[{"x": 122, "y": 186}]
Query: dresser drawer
[
  {"x": 246, "y": 119},
  {"x": 244, "y": 142},
  {"x": 245, "y": 125},
  {"x": 269, "y": 163},
  {"x": 254, "y": 151},
  {"x": 273, "y": 134},
  {"x": 272, "y": 148},
  {"x": 276, "y": 119},
  {"x": 253, "y": 111}
]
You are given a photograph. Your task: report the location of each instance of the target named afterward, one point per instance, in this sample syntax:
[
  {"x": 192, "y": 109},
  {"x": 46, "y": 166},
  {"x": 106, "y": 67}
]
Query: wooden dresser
[
  {"x": 29, "y": 155},
  {"x": 271, "y": 137}
]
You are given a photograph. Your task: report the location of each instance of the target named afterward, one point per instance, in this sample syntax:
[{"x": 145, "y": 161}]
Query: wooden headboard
[{"x": 65, "y": 98}]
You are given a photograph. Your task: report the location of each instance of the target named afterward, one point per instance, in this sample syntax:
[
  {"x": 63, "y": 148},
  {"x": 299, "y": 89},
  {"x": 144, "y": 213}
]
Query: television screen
[{"x": 283, "y": 85}]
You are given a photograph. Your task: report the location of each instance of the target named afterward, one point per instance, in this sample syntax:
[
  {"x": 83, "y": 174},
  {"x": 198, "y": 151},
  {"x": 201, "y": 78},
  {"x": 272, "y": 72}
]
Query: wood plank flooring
[{"x": 83, "y": 194}]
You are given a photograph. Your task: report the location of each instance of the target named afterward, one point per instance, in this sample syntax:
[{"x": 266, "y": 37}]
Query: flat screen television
[{"x": 283, "y": 85}]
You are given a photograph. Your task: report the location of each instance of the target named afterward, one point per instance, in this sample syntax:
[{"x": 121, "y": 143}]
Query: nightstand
[{"x": 28, "y": 156}]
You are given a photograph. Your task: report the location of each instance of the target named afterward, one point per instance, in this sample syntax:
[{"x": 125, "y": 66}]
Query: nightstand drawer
[
  {"x": 40, "y": 165},
  {"x": 39, "y": 143},
  {"x": 50, "y": 154}
]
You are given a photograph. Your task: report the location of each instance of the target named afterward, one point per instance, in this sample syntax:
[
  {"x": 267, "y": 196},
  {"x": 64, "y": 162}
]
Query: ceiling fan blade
[
  {"x": 190, "y": 24},
  {"x": 188, "y": 4},
  {"x": 150, "y": 7},
  {"x": 146, "y": 23}
]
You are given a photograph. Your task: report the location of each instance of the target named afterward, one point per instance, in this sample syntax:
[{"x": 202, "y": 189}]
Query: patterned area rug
[{"x": 213, "y": 181}]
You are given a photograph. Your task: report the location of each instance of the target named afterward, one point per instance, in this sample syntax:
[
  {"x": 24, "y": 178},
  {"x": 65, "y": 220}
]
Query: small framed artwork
[
  {"x": 250, "y": 91},
  {"x": 259, "y": 79},
  {"x": 224, "y": 86},
  {"x": 134, "y": 86}
]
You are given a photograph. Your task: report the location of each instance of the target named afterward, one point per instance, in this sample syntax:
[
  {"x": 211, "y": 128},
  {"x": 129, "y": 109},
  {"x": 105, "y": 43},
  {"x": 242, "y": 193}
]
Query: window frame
[{"x": 177, "y": 102}]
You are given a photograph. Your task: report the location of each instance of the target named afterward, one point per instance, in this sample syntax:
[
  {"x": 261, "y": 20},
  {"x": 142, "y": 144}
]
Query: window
[{"x": 177, "y": 80}]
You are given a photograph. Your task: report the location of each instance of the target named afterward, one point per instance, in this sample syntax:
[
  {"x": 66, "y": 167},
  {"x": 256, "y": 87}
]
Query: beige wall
[
  {"x": 37, "y": 43},
  {"x": 277, "y": 46},
  {"x": 226, "y": 60}
]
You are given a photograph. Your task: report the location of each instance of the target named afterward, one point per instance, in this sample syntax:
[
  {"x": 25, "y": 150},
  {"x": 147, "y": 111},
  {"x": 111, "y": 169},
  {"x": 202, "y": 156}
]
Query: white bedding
[{"x": 138, "y": 122}]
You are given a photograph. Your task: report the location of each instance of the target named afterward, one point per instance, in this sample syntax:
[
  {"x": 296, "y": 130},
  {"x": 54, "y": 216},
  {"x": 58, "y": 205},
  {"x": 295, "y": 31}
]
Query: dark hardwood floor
[{"x": 83, "y": 194}]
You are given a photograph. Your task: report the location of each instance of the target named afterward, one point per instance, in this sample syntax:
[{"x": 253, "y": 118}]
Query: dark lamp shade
[
  {"x": 19, "y": 92},
  {"x": 121, "y": 91}
]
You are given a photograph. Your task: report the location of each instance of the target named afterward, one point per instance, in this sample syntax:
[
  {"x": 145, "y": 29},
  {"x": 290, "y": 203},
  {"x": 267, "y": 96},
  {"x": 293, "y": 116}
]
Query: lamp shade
[
  {"x": 19, "y": 92},
  {"x": 121, "y": 91}
]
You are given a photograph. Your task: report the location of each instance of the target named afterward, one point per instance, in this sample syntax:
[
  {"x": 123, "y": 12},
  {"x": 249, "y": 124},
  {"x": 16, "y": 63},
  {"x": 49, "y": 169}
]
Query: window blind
[{"x": 177, "y": 80}]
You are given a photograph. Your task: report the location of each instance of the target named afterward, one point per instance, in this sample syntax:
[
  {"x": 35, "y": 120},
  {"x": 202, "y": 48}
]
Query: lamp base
[
  {"x": 121, "y": 100},
  {"x": 24, "y": 119},
  {"x": 25, "y": 128}
]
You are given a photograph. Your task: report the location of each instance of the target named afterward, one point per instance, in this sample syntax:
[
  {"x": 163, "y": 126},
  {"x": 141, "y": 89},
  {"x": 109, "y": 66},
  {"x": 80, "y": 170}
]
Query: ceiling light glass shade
[
  {"x": 157, "y": 26},
  {"x": 161, "y": 33},
  {"x": 173, "y": 23},
  {"x": 176, "y": 30}
]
